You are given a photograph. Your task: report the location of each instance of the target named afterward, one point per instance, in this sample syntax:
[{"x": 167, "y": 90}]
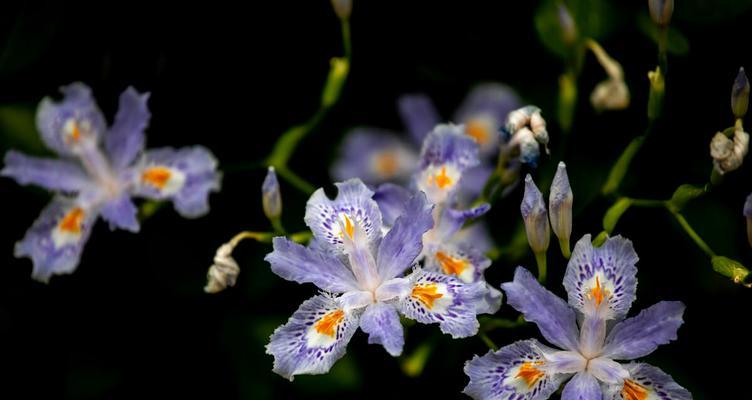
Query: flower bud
[
  {"x": 560, "y": 207},
  {"x": 343, "y": 8},
  {"x": 657, "y": 91},
  {"x": 740, "y": 94},
  {"x": 535, "y": 216},
  {"x": 338, "y": 69},
  {"x": 568, "y": 27},
  {"x": 224, "y": 272},
  {"x": 748, "y": 215},
  {"x": 728, "y": 154},
  {"x": 661, "y": 11},
  {"x": 271, "y": 199}
]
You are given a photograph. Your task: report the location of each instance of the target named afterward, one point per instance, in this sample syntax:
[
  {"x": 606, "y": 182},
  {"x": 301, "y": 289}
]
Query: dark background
[{"x": 133, "y": 321}]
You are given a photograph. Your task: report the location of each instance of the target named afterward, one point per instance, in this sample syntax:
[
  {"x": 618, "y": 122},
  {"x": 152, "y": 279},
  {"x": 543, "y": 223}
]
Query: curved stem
[{"x": 693, "y": 234}]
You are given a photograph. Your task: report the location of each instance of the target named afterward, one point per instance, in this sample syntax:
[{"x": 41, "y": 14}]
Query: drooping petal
[
  {"x": 516, "y": 371},
  {"x": 555, "y": 319},
  {"x": 439, "y": 298},
  {"x": 51, "y": 174},
  {"x": 418, "y": 114},
  {"x": 602, "y": 280},
  {"x": 404, "y": 242},
  {"x": 300, "y": 264},
  {"x": 583, "y": 386},
  {"x": 646, "y": 382},
  {"x": 121, "y": 213},
  {"x": 56, "y": 239},
  {"x": 375, "y": 156},
  {"x": 125, "y": 141},
  {"x": 75, "y": 121},
  {"x": 381, "y": 322},
  {"x": 391, "y": 199},
  {"x": 353, "y": 203},
  {"x": 483, "y": 112},
  {"x": 640, "y": 335},
  {"x": 186, "y": 176},
  {"x": 313, "y": 339}
]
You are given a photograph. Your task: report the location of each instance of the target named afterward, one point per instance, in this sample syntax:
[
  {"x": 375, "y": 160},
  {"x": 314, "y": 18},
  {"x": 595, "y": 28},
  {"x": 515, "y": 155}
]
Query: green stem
[
  {"x": 295, "y": 180},
  {"x": 487, "y": 340},
  {"x": 279, "y": 229},
  {"x": 540, "y": 259},
  {"x": 346, "y": 41},
  {"x": 693, "y": 234},
  {"x": 647, "y": 202},
  {"x": 621, "y": 166}
]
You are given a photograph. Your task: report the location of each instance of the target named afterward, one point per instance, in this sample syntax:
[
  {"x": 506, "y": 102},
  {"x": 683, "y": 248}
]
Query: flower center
[
  {"x": 598, "y": 293},
  {"x": 328, "y": 323},
  {"x": 529, "y": 373}
]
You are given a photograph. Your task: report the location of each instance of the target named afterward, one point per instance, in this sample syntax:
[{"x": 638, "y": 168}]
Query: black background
[{"x": 133, "y": 322}]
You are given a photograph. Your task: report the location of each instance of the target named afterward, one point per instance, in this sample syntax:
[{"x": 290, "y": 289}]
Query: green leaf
[
  {"x": 677, "y": 43},
  {"x": 612, "y": 216}
]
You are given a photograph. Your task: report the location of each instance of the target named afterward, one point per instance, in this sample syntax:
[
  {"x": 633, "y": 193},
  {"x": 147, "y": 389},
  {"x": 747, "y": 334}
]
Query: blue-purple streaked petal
[
  {"x": 391, "y": 199},
  {"x": 298, "y": 263},
  {"x": 51, "y": 174},
  {"x": 404, "y": 242},
  {"x": 555, "y": 319},
  {"x": 582, "y": 386},
  {"x": 121, "y": 213},
  {"x": 125, "y": 140},
  {"x": 639, "y": 336},
  {"x": 418, "y": 114},
  {"x": 381, "y": 322}
]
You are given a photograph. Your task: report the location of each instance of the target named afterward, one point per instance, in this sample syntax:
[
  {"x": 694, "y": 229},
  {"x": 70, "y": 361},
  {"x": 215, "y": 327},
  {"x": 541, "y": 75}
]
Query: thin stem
[
  {"x": 295, "y": 180},
  {"x": 487, "y": 340},
  {"x": 647, "y": 202},
  {"x": 540, "y": 259},
  {"x": 346, "y": 41},
  {"x": 279, "y": 229},
  {"x": 693, "y": 234},
  {"x": 261, "y": 237}
]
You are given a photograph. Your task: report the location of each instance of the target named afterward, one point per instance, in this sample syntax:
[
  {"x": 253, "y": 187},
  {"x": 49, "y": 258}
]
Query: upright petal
[
  {"x": 381, "y": 322},
  {"x": 517, "y": 371},
  {"x": 51, "y": 174},
  {"x": 582, "y": 387},
  {"x": 602, "y": 280},
  {"x": 186, "y": 176},
  {"x": 404, "y": 242},
  {"x": 554, "y": 317},
  {"x": 353, "y": 203},
  {"x": 418, "y": 114},
  {"x": 438, "y": 298},
  {"x": 452, "y": 220},
  {"x": 125, "y": 141},
  {"x": 75, "y": 121},
  {"x": 313, "y": 339},
  {"x": 639, "y": 336},
  {"x": 121, "y": 213},
  {"x": 375, "y": 156},
  {"x": 392, "y": 200},
  {"x": 447, "y": 144},
  {"x": 646, "y": 382},
  {"x": 300, "y": 264},
  {"x": 56, "y": 239}
]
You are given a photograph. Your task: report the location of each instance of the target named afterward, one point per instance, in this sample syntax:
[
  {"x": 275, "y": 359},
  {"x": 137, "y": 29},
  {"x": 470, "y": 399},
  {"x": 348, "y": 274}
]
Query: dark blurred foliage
[{"x": 133, "y": 321}]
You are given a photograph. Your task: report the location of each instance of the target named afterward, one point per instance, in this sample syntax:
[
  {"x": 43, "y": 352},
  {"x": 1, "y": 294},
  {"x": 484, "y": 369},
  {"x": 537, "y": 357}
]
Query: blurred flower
[
  {"x": 560, "y": 207},
  {"x": 740, "y": 94},
  {"x": 271, "y": 199},
  {"x": 100, "y": 169},
  {"x": 224, "y": 272},
  {"x": 601, "y": 284},
  {"x": 728, "y": 154},
  {"x": 535, "y": 216},
  {"x": 748, "y": 216},
  {"x": 612, "y": 93},
  {"x": 661, "y": 11},
  {"x": 363, "y": 269},
  {"x": 343, "y": 8},
  {"x": 568, "y": 27}
]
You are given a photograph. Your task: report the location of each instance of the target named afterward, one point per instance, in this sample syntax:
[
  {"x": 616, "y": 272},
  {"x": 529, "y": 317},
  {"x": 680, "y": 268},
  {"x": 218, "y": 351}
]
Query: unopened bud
[
  {"x": 224, "y": 272},
  {"x": 657, "y": 91},
  {"x": 535, "y": 216},
  {"x": 740, "y": 94},
  {"x": 568, "y": 27},
  {"x": 343, "y": 8},
  {"x": 560, "y": 208},
  {"x": 338, "y": 70},
  {"x": 271, "y": 199},
  {"x": 661, "y": 11}
]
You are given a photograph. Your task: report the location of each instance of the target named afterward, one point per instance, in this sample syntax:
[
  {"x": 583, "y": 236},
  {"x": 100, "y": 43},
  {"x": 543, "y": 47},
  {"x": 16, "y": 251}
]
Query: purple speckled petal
[
  {"x": 51, "y": 174},
  {"x": 439, "y": 298},
  {"x": 354, "y": 202},
  {"x": 640, "y": 335},
  {"x": 655, "y": 383},
  {"x": 191, "y": 174},
  {"x": 418, "y": 114},
  {"x": 121, "y": 213},
  {"x": 125, "y": 141},
  {"x": 300, "y": 264},
  {"x": 583, "y": 386},
  {"x": 313, "y": 339},
  {"x": 555, "y": 319},
  {"x": 513, "y": 372},
  {"x": 404, "y": 242},
  {"x": 375, "y": 156},
  {"x": 381, "y": 322},
  {"x": 56, "y": 239},
  {"x": 75, "y": 121},
  {"x": 604, "y": 274},
  {"x": 391, "y": 199}
]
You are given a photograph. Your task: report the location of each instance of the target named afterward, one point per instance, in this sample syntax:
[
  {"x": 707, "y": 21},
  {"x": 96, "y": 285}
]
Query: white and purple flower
[
  {"x": 591, "y": 332},
  {"x": 97, "y": 174},
  {"x": 362, "y": 269}
]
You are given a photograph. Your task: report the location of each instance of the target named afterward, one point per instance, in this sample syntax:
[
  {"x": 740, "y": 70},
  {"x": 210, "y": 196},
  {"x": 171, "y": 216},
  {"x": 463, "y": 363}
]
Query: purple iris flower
[
  {"x": 377, "y": 156},
  {"x": 98, "y": 173},
  {"x": 363, "y": 272},
  {"x": 591, "y": 332}
]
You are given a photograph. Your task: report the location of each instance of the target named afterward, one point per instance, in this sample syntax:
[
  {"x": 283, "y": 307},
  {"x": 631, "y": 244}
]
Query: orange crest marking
[
  {"x": 426, "y": 294},
  {"x": 442, "y": 180},
  {"x": 327, "y": 325},
  {"x": 451, "y": 265},
  {"x": 71, "y": 222},
  {"x": 598, "y": 293},
  {"x": 477, "y": 130},
  {"x": 633, "y": 391},
  {"x": 529, "y": 373},
  {"x": 386, "y": 164},
  {"x": 157, "y": 176}
]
